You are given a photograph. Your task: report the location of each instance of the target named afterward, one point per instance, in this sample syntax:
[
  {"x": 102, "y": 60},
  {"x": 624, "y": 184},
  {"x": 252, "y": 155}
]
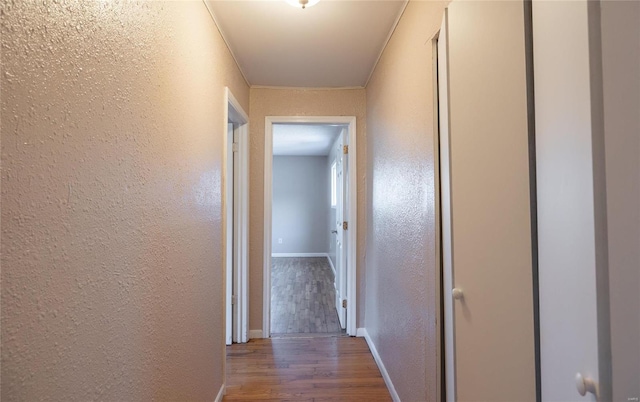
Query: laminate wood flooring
[
  {"x": 303, "y": 297},
  {"x": 304, "y": 369}
]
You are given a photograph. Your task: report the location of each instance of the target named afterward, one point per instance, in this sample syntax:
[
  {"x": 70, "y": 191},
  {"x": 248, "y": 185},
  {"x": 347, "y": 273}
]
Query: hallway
[
  {"x": 493, "y": 173},
  {"x": 303, "y": 369}
]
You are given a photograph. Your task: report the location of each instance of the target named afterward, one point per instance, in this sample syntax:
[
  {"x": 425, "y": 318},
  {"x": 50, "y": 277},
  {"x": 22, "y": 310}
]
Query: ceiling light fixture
[{"x": 302, "y": 3}]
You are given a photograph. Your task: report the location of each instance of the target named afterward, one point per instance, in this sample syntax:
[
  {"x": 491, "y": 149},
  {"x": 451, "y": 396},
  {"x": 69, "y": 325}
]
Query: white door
[
  {"x": 235, "y": 233},
  {"x": 235, "y": 193},
  {"x": 341, "y": 258},
  {"x": 572, "y": 237},
  {"x": 489, "y": 341},
  {"x": 232, "y": 234},
  {"x": 445, "y": 214}
]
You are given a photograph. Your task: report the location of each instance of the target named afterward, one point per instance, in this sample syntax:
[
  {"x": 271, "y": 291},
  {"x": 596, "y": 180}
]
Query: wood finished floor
[
  {"x": 303, "y": 297},
  {"x": 304, "y": 369}
]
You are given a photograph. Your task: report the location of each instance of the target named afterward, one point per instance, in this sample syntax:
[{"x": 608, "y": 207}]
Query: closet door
[
  {"x": 491, "y": 290},
  {"x": 574, "y": 329}
]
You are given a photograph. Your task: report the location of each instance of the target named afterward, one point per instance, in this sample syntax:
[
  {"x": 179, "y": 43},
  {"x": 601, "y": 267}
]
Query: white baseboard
[
  {"x": 299, "y": 254},
  {"x": 255, "y": 334},
  {"x": 376, "y": 357},
  {"x": 360, "y": 332},
  {"x": 220, "y": 393},
  {"x": 332, "y": 267}
]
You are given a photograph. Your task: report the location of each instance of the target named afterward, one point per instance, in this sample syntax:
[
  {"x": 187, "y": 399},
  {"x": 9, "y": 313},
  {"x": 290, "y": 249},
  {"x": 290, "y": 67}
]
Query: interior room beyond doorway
[{"x": 306, "y": 205}]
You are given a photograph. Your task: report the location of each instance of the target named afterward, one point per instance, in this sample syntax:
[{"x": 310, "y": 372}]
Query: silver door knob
[
  {"x": 586, "y": 384},
  {"x": 334, "y": 231},
  {"x": 457, "y": 293}
]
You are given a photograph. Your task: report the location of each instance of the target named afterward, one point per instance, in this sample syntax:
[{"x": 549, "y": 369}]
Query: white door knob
[
  {"x": 586, "y": 384},
  {"x": 457, "y": 293}
]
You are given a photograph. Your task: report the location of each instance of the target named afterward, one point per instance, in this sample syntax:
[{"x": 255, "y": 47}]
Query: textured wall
[
  {"x": 297, "y": 102},
  {"x": 300, "y": 204},
  {"x": 112, "y": 124},
  {"x": 400, "y": 267}
]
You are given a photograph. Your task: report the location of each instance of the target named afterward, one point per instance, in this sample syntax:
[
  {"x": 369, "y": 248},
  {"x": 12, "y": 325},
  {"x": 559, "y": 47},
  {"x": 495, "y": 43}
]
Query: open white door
[
  {"x": 237, "y": 239},
  {"x": 445, "y": 214},
  {"x": 235, "y": 221},
  {"x": 229, "y": 244},
  {"x": 341, "y": 255}
]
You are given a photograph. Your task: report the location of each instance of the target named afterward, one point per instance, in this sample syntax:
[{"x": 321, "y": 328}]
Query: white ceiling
[
  {"x": 335, "y": 43},
  {"x": 304, "y": 139}
]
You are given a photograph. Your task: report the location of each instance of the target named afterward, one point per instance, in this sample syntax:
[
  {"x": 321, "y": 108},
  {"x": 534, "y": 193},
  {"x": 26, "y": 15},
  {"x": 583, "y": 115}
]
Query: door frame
[
  {"x": 443, "y": 208},
  {"x": 441, "y": 378},
  {"x": 235, "y": 113},
  {"x": 350, "y": 122}
]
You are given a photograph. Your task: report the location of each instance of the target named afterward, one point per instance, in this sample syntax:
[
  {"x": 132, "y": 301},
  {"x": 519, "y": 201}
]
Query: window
[{"x": 334, "y": 195}]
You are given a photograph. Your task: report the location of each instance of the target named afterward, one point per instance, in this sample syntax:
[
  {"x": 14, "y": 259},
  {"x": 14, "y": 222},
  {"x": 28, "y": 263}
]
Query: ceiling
[
  {"x": 335, "y": 43},
  {"x": 304, "y": 139}
]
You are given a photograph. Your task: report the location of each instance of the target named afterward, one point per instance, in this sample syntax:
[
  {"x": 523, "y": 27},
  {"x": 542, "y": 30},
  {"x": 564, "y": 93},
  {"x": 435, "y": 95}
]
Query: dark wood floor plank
[{"x": 304, "y": 369}]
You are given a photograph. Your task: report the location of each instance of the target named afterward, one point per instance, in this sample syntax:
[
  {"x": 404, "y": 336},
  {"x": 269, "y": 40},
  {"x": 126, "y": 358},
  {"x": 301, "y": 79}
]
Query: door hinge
[
  {"x": 345, "y": 225},
  {"x": 345, "y": 149},
  {"x": 344, "y": 303},
  {"x": 234, "y": 147},
  {"x": 234, "y": 299}
]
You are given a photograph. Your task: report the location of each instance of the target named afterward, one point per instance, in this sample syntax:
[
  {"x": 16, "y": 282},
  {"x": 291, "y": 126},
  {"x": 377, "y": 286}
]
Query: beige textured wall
[
  {"x": 400, "y": 265},
  {"x": 298, "y": 102},
  {"x": 112, "y": 124}
]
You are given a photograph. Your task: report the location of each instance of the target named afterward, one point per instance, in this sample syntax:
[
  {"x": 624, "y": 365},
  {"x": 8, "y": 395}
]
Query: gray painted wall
[{"x": 300, "y": 204}]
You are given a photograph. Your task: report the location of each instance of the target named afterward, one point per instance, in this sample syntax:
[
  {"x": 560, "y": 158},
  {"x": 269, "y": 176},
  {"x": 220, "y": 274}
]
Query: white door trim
[
  {"x": 229, "y": 248},
  {"x": 352, "y": 243},
  {"x": 236, "y": 114}
]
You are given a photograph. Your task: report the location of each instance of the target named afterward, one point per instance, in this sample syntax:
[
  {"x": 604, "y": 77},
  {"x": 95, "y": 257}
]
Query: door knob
[
  {"x": 586, "y": 384},
  {"x": 457, "y": 293},
  {"x": 334, "y": 231}
]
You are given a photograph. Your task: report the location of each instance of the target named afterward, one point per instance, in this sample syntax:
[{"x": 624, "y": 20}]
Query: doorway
[
  {"x": 290, "y": 250},
  {"x": 235, "y": 220}
]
